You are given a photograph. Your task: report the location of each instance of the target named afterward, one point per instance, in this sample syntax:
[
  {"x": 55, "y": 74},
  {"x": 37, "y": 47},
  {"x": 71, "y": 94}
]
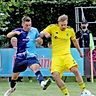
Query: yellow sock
[
  {"x": 82, "y": 86},
  {"x": 64, "y": 91}
]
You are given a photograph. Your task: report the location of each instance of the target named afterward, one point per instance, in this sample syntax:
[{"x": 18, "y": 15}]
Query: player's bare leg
[
  {"x": 78, "y": 78},
  {"x": 12, "y": 84},
  {"x": 36, "y": 70},
  {"x": 60, "y": 83}
]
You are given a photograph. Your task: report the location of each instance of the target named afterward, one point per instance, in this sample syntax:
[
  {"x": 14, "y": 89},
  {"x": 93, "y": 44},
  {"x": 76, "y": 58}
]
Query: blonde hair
[
  {"x": 62, "y": 18},
  {"x": 13, "y": 39},
  {"x": 14, "y": 42}
]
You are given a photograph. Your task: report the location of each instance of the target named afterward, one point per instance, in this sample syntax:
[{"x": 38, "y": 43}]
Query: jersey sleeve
[
  {"x": 48, "y": 29},
  {"x": 17, "y": 29},
  {"x": 73, "y": 36}
]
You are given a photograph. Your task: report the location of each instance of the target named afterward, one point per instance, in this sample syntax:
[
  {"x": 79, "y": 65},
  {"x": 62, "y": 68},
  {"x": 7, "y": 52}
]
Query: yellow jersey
[{"x": 61, "y": 40}]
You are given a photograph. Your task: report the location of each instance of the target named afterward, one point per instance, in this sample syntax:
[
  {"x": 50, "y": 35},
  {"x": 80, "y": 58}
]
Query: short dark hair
[
  {"x": 84, "y": 22},
  {"x": 26, "y": 19}
]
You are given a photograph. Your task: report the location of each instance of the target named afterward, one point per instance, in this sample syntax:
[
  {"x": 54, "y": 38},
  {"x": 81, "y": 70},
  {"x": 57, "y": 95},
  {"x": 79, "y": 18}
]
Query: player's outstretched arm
[
  {"x": 11, "y": 34},
  {"x": 46, "y": 34}
]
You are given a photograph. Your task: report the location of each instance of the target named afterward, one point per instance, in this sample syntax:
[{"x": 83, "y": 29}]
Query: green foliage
[
  {"x": 42, "y": 12},
  {"x": 3, "y": 41}
]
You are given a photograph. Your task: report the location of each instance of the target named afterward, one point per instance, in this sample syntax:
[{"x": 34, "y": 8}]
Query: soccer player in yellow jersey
[{"x": 62, "y": 59}]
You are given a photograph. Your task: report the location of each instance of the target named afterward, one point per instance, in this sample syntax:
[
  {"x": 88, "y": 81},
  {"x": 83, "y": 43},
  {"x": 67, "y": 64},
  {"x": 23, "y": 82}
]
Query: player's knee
[
  {"x": 56, "y": 75},
  {"x": 74, "y": 70},
  {"x": 35, "y": 67}
]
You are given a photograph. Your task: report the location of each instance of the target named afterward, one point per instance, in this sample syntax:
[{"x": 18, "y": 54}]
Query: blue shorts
[{"x": 21, "y": 64}]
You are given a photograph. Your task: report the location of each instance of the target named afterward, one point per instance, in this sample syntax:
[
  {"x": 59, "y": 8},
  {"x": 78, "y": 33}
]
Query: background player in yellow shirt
[{"x": 62, "y": 59}]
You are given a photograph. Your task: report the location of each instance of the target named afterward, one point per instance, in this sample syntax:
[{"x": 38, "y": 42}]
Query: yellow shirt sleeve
[
  {"x": 73, "y": 36},
  {"x": 48, "y": 29}
]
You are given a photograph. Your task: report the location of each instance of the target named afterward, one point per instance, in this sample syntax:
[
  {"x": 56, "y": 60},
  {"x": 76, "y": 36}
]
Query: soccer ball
[{"x": 86, "y": 93}]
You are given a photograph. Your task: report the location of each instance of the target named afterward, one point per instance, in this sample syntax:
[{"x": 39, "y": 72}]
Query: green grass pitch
[{"x": 33, "y": 89}]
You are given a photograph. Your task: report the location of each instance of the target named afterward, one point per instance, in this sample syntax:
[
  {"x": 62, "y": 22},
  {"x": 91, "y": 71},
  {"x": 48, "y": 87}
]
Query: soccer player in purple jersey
[{"x": 27, "y": 37}]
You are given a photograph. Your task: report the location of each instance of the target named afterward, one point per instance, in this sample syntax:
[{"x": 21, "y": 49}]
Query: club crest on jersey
[
  {"x": 56, "y": 32},
  {"x": 55, "y": 37},
  {"x": 26, "y": 39}
]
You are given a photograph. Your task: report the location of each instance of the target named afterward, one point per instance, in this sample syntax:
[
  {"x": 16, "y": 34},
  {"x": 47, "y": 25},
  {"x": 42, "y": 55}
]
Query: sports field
[{"x": 33, "y": 89}]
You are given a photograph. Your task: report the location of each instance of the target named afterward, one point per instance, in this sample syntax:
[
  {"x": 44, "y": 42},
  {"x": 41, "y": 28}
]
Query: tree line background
[{"x": 42, "y": 12}]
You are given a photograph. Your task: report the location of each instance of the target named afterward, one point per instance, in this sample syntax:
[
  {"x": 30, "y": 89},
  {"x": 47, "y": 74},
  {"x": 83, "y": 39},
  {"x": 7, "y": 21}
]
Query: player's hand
[
  {"x": 81, "y": 55},
  {"x": 39, "y": 40},
  {"x": 17, "y": 32}
]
